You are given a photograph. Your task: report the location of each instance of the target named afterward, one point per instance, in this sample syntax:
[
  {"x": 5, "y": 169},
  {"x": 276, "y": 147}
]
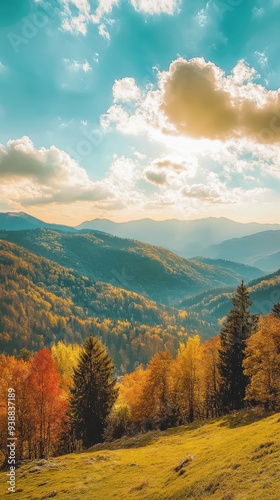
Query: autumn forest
[{"x": 91, "y": 361}]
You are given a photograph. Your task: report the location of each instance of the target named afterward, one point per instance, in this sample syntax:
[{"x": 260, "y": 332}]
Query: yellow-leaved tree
[
  {"x": 262, "y": 363},
  {"x": 188, "y": 380},
  {"x": 66, "y": 357}
]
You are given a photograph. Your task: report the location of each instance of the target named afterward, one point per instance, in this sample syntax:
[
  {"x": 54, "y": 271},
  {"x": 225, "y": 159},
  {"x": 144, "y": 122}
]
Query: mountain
[
  {"x": 42, "y": 303},
  {"x": 186, "y": 238},
  {"x": 247, "y": 273},
  {"x": 149, "y": 270},
  {"x": 261, "y": 250},
  {"x": 213, "y": 305},
  {"x": 16, "y": 221}
]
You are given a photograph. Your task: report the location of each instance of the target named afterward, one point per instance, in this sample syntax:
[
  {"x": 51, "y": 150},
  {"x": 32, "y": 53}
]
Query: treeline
[{"x": 69, "y": 397}]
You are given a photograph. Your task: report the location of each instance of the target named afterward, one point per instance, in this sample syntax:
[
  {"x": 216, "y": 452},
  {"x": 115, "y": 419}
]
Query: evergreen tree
[
  {"x": 93, "y": 393},
  {"x": 276, "y": 310},
  {"x": 237, "y": 328}
]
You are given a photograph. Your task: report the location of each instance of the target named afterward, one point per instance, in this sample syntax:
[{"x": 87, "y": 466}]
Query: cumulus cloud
[
  {"x": 43, "y": 176},
  {"x": 156, "y": 177},
  {"x": 42, "y": 179},
  {"x": 200, "y": 101},
  {"x": 126, "y": 90},
  {"x": 171, "y": 170},
  {"x": 196, "y": 99}
]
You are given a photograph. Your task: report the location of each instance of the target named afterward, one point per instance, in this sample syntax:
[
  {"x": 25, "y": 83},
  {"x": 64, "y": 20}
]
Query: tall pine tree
[
  {"x": 276, "y": 310},
  {"x": 238, "y": 326},
  {"x": 93, "y": 393}
]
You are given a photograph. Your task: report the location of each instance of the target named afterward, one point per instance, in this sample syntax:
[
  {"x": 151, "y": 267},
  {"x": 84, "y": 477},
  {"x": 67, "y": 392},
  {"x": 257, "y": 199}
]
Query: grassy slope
[{"x": 231, "y": 458}]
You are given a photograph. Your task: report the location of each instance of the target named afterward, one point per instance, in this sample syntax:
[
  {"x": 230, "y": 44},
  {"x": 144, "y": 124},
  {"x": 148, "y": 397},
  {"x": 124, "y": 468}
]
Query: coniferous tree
[
  {"x": 276, "y": 310},
  {"x": 93, "y": 393},
  {"x": 238, "y": 327}
]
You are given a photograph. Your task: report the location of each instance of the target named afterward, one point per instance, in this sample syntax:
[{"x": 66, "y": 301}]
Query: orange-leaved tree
[{"x": 49, "y": 403}]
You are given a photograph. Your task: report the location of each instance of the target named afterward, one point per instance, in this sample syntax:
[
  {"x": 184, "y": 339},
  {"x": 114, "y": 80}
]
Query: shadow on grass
[
  {"x": 243, "y": 418},
  {"x": 144, "y": 439},
  {"x": 234, "y": 420},
  {"x": 138, "y": 441}
]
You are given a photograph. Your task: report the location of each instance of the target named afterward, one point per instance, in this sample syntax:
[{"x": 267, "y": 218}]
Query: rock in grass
[
  {"x": 34, "y": 469},
  {"x": 50, "y": 495},
  {"x": 183, "y": 463}
]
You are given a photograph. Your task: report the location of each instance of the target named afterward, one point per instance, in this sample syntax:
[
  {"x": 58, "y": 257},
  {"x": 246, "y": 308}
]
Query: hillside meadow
[{"x": 235, "y": 457}]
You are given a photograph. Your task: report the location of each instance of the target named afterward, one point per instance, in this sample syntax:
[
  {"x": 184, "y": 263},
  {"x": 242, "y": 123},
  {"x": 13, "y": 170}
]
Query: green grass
[{"x": 231, "y": 458}]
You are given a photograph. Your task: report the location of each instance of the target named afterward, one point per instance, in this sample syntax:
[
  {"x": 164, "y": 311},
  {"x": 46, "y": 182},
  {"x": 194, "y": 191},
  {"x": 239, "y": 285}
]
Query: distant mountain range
[
  {"x": 148, "y": 270},
  {"x": 261, "y": 250},
  {"x": 186, "y": 238},
  {"x": 252, "y": 244}
]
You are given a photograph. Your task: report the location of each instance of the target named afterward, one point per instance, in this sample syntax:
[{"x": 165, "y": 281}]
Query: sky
[{"x": 130, "y": 109}]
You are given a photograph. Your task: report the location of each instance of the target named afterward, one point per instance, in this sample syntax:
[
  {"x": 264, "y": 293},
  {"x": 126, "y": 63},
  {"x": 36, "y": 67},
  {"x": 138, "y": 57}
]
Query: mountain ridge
[
  {"x": 187, "y": 238},
  {"x": 17, "y": 221},
  {"x": 43, "y": 302},
  {"x": 261, "y": 250},
  {"x": 146, "y": 269}
]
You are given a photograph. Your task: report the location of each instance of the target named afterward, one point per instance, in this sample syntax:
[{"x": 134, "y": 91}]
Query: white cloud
[
  {"x": 104, "y": 7},
  {"x": 43, "y": 176},
  {"x": 171, "y": 170},
  {"x": 202, "y": 18},
  {"x": 85, "y": 15},
  {"x": 126, "y": 90},
  {"x": 102, "y": 30},
  {"x": 262, "y": 58},
  {"x": 78, "y": 66},
  {"x": 76, "y": 24},
  {"x": 156, "y": 6},
  {"x": 174, "y": 183},
  {"x": 122, "y": 174},
  {"x": 196, "y": 99}
]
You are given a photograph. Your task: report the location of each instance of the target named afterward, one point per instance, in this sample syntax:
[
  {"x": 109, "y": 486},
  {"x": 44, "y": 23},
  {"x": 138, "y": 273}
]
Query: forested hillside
[
  {"x": 247, "y": 273},
  {"x": 215, "y": 304},
  {"x": 42, "y": 302},
  {"x": 16, "y": 221},
  {"x": 152, "y": 271}
]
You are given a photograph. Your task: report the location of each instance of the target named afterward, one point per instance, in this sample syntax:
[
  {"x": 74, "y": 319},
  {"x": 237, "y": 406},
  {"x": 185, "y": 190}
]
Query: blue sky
[{"x": 125, "y": 109}]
